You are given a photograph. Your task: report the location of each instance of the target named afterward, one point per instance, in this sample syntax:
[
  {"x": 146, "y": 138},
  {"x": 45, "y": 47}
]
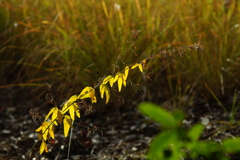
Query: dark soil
[{"x": 124, "y": 134}]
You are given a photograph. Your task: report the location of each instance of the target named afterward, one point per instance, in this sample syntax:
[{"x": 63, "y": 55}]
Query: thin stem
[
  {"x": 31, "y": 149},
  {"x": 50, "y": 93},
  {"x": 70, "y": 140}
]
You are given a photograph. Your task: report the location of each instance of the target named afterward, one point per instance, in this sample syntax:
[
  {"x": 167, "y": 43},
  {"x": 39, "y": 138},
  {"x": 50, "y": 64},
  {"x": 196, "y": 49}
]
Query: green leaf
[
  {"x": 195, "y": 132},
  {"x": 162, "y": 142},
  {"x": 231, "y": 145},
  {"x": 178, "y": 116},
  {"x": 205, "y": 148},
  {"x": 158, "y": 114}
]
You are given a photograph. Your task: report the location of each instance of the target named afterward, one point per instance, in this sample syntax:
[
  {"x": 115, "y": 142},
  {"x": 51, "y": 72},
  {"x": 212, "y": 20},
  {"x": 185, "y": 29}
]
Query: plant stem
[
  {"x": 31, "y": 149},
  {"x": 69, "y": 144}
]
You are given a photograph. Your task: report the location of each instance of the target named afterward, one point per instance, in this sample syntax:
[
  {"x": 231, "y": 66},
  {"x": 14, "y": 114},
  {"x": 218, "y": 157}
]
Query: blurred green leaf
[
  {"x": 195, "y": 132},
  {"x": 158, "y": 114},
  {"x": 161, "y": 143},
  {"x": 232, "y": 145},
  {"x": 206, "y": 148},
  {"x": 178, "y": 116}
]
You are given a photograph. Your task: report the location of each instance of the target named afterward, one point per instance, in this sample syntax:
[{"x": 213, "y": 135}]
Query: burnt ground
[{"x": 122, "y": 135}]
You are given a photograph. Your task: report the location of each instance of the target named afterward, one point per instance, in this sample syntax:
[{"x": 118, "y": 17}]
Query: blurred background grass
[{"x": 71, "y": 43}]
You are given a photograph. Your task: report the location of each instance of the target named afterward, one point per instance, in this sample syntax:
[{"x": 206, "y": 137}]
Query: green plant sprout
[{"x": 174, "y": 143}]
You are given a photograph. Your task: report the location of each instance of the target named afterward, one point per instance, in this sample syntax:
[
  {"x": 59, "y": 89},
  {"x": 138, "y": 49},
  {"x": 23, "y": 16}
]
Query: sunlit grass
[{"x": 72, "y": 43}]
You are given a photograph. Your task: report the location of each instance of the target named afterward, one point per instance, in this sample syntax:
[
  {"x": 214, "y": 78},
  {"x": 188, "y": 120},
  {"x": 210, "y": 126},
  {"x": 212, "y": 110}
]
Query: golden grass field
[{"x": 71, "y": 43}]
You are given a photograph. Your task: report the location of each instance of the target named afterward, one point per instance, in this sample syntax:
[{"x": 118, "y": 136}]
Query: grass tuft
[{"x": 71, "y": 44}]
